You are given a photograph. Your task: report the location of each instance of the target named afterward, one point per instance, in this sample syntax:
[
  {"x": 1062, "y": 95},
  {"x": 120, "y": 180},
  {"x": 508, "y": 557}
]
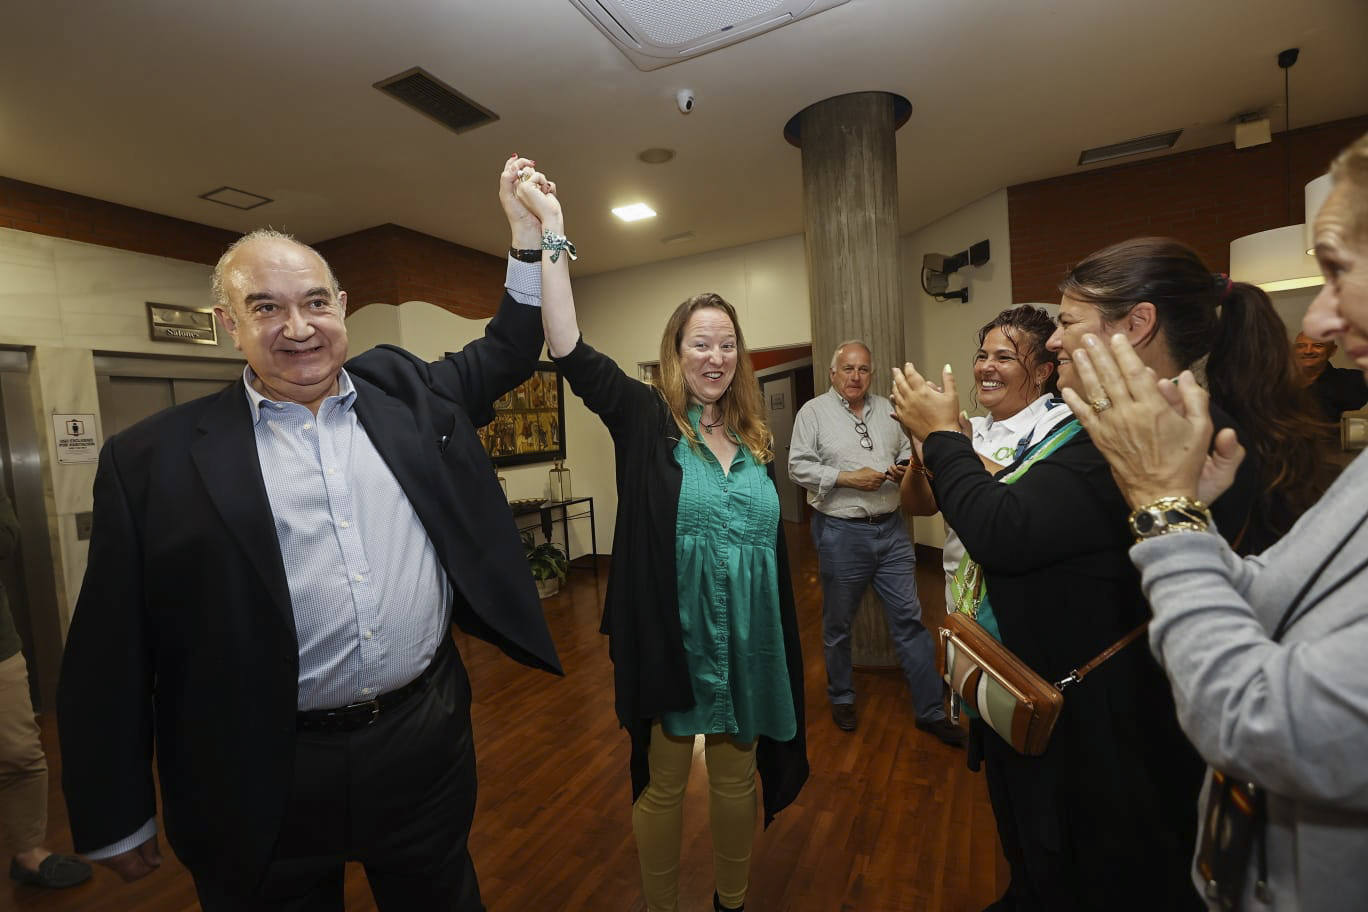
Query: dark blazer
[
  {"x": 184, "y": 636},
  {"x": 641, "y": 606}
]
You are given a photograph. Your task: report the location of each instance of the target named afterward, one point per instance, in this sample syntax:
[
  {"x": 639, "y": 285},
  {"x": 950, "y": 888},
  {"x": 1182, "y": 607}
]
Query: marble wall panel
[{"x": 28, "y": 288}]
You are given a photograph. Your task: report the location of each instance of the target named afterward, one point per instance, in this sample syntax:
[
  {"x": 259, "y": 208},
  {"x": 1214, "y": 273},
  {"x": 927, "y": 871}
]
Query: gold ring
[
  {"x": 525, "y": 175},
  {"x": 1101, "y": 404}
]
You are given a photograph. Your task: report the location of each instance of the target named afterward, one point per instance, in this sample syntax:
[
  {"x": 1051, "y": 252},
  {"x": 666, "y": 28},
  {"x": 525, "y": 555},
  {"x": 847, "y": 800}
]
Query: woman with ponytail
[
  {"x": 1104, "y": 818},
  {"x": 1264, "y": 654},
  {"x": 1176, "y": 314}
]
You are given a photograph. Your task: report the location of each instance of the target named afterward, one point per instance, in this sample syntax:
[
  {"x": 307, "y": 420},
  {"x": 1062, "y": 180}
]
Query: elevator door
[
  {"x": 26, "y": 573},
  {"x": 124, "y": 401},
  {"x": 131, "y": 389}
]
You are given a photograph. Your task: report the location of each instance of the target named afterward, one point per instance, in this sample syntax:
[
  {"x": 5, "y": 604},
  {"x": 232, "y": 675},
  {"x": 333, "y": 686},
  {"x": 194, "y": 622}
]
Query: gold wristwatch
[{"x": 1170, "y": 514}]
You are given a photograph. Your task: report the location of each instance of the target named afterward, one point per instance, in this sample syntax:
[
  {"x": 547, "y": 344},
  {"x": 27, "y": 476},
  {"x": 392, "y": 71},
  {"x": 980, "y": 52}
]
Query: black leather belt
[
  {"x": 359, "y": 715},
  {"x": 871, "y": 520}
]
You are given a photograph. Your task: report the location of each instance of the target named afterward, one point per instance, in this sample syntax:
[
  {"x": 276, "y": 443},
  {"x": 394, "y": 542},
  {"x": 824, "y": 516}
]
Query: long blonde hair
[{"x": 740, "y": 405}]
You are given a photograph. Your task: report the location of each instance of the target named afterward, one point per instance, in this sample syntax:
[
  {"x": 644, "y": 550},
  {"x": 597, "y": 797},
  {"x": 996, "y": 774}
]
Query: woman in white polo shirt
[{"x": 1015, "y": 379}]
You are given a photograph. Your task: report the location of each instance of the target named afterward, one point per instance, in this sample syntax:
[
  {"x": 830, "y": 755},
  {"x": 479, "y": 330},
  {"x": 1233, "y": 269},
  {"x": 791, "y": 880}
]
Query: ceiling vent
[
  {"x": 1152, "y": 143},
  {"x": 428, "y": 95},
  {"x": 657, "y": 33},
  {"x": 237, "y": 199}
]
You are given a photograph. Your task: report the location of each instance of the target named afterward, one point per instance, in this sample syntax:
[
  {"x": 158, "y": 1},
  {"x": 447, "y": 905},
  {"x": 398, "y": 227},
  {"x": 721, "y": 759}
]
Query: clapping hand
[
  {"x": 1156, "y": 434},
  {"x": 921, "y": 407}
]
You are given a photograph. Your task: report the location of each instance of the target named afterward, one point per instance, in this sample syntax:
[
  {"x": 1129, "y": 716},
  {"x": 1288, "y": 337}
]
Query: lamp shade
[
  {"x": 1275, "y": 260},
  {"x": 1316, "y": 194}
]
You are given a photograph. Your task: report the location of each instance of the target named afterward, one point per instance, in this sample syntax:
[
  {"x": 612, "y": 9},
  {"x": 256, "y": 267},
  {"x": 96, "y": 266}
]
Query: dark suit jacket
[{"x": 184, "y": 633}]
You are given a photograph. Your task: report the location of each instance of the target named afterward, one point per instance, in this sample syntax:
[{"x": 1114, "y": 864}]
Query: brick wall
[
  {"x": 393, "y": 264},
  {"x": 772, "y": 356},
  {"x": 42, "y": 210},
  {"x": 388, "y": 263},
  {"x": 1206, "y": 198}
]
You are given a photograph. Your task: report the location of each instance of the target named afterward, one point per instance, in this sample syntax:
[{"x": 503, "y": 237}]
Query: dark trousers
[
  {"x": 1073, "y": 848},
  {"x": 397, "y": 796}
]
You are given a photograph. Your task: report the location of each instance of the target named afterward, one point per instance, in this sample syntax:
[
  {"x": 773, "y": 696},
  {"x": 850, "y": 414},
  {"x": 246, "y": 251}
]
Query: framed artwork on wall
[{"x": 529, "y": 421}]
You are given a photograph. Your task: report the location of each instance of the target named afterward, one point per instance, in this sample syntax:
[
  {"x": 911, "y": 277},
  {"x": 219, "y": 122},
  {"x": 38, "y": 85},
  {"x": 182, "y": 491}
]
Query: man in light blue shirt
[{"x": 273, "y": 571}]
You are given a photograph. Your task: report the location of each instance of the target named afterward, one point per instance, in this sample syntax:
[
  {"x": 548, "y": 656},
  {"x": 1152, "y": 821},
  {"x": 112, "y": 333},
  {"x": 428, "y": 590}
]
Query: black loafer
[
  {"x": 947, "y": 731},
  {"x": 843, "y": 714},
  {"x": 54, "y": 872}
]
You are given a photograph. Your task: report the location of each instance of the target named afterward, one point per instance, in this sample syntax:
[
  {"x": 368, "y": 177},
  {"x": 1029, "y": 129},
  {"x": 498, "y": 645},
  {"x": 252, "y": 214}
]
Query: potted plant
[{"x": 547, "y": 562}]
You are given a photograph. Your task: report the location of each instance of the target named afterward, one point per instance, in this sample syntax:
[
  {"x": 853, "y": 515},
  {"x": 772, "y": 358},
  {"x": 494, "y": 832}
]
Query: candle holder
[{"x": 559, "y": 478}]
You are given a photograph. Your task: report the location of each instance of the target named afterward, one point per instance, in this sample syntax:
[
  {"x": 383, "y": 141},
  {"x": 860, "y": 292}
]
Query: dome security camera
[{"x": 684, "y": 99}]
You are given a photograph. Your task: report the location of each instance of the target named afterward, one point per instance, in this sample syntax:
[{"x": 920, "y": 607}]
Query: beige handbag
[{"x": 1011, "y": 699}]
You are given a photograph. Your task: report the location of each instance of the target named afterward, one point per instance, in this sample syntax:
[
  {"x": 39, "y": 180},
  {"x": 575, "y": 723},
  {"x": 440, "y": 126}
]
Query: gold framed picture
[{"x": 529, "y": 421}]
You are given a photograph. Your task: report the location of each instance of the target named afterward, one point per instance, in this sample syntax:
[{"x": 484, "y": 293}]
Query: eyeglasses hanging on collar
[{"x": 860, "y": 427}]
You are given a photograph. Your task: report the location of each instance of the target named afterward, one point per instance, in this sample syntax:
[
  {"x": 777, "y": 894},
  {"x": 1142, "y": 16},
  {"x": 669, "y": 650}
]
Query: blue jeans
[{"x": 852, "y": 554}]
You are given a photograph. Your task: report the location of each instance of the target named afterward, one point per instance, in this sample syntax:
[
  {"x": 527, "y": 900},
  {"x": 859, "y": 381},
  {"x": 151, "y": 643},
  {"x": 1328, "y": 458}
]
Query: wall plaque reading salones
[{"x": 170, "y": 323}]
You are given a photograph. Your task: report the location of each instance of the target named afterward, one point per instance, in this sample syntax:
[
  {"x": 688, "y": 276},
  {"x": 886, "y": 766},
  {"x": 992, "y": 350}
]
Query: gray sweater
[{"x": 1290, "y": 716}]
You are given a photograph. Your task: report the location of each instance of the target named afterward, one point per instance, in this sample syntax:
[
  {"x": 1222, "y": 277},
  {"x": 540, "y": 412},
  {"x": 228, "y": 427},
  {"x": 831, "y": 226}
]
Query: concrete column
[{"x": 850, "y": 230}]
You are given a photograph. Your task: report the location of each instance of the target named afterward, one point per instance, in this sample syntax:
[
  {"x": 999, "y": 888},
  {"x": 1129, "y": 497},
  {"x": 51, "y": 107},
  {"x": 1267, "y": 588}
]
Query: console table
[{"x": 569, "y": 511}]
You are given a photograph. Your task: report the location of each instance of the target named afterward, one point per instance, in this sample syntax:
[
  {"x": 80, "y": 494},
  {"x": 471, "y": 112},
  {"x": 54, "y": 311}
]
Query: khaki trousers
[
  {"x": 23, "y": 768},
  {"x": 658, "y": 816}
]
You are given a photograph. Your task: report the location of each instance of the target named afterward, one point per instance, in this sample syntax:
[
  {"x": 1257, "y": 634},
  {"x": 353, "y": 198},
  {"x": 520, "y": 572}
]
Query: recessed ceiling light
[
  {"x": 634, "y": 212},
  {"x": 656, "y": 156},
  {"x": 238, "y": 199}
]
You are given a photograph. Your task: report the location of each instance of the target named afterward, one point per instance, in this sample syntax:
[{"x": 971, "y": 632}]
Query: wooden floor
[{"x": 890, "y": 821}]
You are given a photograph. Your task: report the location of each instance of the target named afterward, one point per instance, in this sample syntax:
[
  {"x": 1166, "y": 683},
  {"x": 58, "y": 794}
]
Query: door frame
[{"x": 24, "y": 467}]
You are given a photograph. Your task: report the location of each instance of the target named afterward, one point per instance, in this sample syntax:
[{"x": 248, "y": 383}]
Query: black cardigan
[
  {"x": 641, "y": 607},
  {"x": 1115, "y": 793}
]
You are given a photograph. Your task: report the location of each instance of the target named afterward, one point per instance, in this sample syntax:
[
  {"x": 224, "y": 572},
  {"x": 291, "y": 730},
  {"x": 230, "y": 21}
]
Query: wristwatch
[
  {"x": 525, "y": 256},
  {"x": 1170, "y": 514}
]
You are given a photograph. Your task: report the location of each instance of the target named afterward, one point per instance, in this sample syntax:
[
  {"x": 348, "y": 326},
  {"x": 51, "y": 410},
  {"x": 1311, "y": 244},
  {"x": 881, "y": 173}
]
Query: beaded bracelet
[{"x": 556, "y": 243}]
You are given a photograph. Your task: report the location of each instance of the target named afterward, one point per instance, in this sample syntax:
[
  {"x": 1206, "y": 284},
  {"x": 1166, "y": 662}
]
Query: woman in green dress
[{"x": 699, "y": 608}]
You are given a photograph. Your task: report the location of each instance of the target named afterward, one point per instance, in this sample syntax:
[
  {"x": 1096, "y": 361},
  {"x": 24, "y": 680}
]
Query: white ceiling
[{"x": 150, "y": 103}]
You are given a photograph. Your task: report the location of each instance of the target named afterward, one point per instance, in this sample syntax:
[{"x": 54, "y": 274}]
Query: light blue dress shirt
[{"x": 370, "y": 597}]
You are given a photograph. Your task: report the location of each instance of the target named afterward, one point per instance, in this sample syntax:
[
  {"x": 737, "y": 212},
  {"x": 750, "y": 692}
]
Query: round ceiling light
[{"x": 656, "y": 156}]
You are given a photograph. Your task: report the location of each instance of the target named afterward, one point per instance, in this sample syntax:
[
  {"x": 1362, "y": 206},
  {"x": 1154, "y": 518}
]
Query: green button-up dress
[{"x": 729, "y": 598}]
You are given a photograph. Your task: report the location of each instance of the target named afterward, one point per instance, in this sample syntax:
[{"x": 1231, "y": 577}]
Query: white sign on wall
[{"x": 77, "y": 440}]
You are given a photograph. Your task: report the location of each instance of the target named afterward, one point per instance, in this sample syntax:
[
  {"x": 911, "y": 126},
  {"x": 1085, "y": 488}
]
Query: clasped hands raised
[{"x": 529, "y": 201}]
